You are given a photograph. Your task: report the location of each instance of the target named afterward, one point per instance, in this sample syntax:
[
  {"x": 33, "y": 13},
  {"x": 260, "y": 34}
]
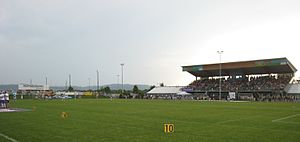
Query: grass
[{"x": 142, "y": 121}]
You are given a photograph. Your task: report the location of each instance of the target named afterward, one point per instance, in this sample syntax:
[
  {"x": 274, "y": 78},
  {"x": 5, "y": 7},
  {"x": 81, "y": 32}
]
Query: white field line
[
  {"x": 291, "y": 116},
  {"x": 220, "y": 122},
  {"x": 8, "y": 138},
  {"x": 232, "y": 120},
  {"x": 288, "y": 122},
  {"x": 238, "y": 119}
]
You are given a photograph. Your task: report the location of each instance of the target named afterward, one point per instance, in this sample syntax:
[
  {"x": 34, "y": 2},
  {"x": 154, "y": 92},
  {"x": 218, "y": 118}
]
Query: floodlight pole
[
  {"x": 70, "y": 80},
  {"x": 89, "y": 84},
  {"x": 98, "y": 80},
  {"x": 118, "y": 79},
  {"x": 66, "y": 85},
  {"x": 44, "y": 87},
  {"x": 220, "y": 74},
  {"x": 122, "y": 65}
]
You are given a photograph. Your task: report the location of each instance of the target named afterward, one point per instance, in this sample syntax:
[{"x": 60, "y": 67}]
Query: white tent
[
  {"x": 167, "y": 90},
  {"x": 293, "y": 89}
]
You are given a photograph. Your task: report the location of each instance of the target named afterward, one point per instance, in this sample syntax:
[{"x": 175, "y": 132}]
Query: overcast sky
[{"x": 154, "y": 38}]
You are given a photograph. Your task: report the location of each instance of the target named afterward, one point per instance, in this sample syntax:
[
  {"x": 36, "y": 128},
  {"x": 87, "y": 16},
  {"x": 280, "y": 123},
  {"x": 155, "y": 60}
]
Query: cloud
[{"x": 153, "y": 38}]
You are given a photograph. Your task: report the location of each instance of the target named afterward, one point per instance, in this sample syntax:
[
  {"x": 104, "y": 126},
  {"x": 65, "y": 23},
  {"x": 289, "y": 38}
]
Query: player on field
[
  {"x": 1, "y": 99},
  {"x": 6, "y": 98}
]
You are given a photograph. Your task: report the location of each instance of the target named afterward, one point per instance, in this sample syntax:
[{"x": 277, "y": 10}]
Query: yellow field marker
[{"x": 64, "y": 115}]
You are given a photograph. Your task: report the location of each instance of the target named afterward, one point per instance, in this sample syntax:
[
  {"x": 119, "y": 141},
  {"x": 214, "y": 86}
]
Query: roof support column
[{"x": 220, "y": 74}]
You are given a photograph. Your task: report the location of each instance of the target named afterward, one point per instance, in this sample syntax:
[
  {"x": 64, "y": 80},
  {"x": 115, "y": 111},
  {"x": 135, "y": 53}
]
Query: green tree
[
  {"x": 70, "y": 89},
  {"x": 141, "y": 94},
  {"x": 105, "y": 90},
  {"x": 135, "y": 89}
]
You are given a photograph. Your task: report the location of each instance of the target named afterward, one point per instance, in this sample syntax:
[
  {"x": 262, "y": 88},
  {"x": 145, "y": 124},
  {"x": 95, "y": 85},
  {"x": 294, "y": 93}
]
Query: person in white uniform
[
  {"x": 1, "y": 99},
  {"x": 6, "y": 95}
]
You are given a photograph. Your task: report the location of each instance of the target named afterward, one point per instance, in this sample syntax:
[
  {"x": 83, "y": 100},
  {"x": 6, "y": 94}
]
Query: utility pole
[
  {"x": 122, "y": 65},
  {"x": 89, "y": 83}
]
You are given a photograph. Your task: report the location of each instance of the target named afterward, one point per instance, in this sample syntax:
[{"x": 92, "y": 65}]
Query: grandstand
[{"x": 259, "y": 80}]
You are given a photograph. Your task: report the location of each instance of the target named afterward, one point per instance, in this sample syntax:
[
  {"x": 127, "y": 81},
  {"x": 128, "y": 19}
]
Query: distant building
[
  {"x": 33, "y": 91},
  {"x": 30, "y": 87}
]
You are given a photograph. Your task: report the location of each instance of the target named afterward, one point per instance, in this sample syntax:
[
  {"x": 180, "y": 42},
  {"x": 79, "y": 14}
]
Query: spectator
[{"x": 262, "y": 83}]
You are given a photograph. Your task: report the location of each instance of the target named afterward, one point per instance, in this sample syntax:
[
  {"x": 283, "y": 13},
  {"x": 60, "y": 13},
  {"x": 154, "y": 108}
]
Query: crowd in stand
[
  {"x": 258, "y": 83},
  {"x": 275, "y": 98}
]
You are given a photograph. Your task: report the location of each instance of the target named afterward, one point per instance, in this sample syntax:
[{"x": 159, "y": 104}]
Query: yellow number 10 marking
[{"x": 169, "y": 128}]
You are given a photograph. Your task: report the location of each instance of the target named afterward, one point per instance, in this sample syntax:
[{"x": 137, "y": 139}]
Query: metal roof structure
[{"x": 265, "y": 66}]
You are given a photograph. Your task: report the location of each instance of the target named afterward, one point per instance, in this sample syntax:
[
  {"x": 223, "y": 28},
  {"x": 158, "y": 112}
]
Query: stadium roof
[{"x": 265, "y": 66}]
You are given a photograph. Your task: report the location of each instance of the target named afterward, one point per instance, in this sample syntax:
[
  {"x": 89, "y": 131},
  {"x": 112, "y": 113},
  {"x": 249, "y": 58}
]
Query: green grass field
[{"x": 142, "y": 121}]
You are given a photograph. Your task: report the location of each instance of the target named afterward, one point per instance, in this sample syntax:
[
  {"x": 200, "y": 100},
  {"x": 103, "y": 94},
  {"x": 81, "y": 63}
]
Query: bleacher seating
[{"x": 258, "y": 83}]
